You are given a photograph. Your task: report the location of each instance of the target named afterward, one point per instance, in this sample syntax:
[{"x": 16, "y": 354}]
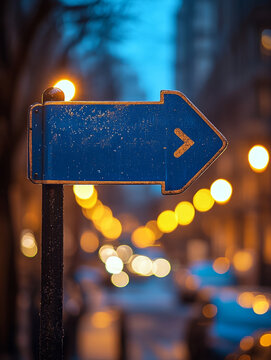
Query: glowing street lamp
[
  {"x": 67, "y": 87},
  {"x": 258, "y": 158}
]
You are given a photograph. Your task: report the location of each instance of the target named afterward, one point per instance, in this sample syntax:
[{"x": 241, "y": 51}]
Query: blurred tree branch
[{"x": 36, "y": 38}]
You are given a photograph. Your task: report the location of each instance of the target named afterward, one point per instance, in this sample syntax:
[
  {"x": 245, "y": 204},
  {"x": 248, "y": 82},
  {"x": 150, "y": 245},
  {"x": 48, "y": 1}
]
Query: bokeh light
[
  {"x": 266, "y": 39},
  {"x": 88, "y": 203},
  {"x": 209, "y": 311},
  {"x": 28, "y": 244},
  {"x": 246, "y": 343},
  {"x": 114, "y": 265},
  {"x": 106, "y": 251},
  {"x": 185, "y": 212},
  {"x": 242, "y": 260},
  {"x": 192, "y": 282},
  {"x": 83, "y": 191},
  {"x": 221, "y": 191},
  {"x": 221, "y": 265},
  {"x": 260, "y": 305},
  {"x": 265, "y": 340},
  {"x": 167, "y": 221},
  {"x": 67, "y": 87},
  {"x": 89, "y": 241},
  {"x": 161, "y": 267},
  {"x": 142, "y": 237},
  {"x": 244, "y": 357},
  {"x": 102, "y": 217},
  {"x": 101, "y": 319},
  {"x": 245, "y": 299},
  {"x": 142, "y": 265},
  {"x": 97, "y": 212},
  {"x": 152, "y": 225},
  {"x": 258, "y": 158},
  {"x": 111, "y": 228},
  {"x": 120, "y": 280},
  {"x": 124, "y": 253},
  {"x": 203, "y": 200}
]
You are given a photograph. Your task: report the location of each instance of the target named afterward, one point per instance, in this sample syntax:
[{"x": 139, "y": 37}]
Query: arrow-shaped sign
[{"x": 168, "y": 142}]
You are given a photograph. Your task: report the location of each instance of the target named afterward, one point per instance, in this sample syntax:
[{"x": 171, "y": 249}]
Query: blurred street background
[{"x": 146, "y": 276}]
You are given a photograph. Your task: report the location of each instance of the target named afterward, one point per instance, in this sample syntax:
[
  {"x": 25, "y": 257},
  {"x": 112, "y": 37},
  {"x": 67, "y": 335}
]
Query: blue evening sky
[{"x": 149, "y": 45}]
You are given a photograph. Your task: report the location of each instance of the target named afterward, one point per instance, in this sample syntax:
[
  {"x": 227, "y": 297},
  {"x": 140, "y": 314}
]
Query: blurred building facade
[{"x": 223, "y": 64}]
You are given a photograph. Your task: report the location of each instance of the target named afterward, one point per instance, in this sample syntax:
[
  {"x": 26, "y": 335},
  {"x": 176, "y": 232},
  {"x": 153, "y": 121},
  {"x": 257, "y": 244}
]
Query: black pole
[{"x": 51, "y": 327}]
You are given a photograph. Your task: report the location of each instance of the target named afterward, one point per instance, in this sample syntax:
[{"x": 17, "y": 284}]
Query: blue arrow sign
[{"x": 167, "y": 142}]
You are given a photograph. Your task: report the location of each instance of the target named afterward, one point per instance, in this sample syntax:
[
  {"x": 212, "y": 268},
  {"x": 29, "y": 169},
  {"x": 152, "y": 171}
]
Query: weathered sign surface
[{"x": 168, "y": 142}]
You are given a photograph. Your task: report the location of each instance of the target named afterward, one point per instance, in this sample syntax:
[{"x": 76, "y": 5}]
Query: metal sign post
[
  {"x": 168, "y": 142},
  {"x": 51, "y": 328}
]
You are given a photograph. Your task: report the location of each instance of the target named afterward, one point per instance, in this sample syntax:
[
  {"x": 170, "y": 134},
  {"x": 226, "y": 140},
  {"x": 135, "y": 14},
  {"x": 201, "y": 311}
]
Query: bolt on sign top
[{"x": 168, "y": 142}]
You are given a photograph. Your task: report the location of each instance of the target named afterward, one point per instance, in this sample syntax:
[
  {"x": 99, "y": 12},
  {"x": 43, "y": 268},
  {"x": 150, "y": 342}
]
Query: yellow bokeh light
[
  {"x": 203, "y": 200},
  {"x": 246, "y": 299},
  {"x": 83, "y": 191},
  {"x": 97, "y": 212},
  {"x": 67, "y": 87},
  {"x": 209, "y": 311},
  {"x": 221, "y": 265},
  {"x": 185, "y": 212},
  {"x": 142, "y": 237},
  {"x": 30, "y": 252},
  {"x": 246, "y": 343},
  {"x": 88, "y": 203},
  {"x": 89, "y": 241},
  {"x": 167, "y": 221},
  {"x": 242, "y": 260},
  {"x": 111, "y": 228},
  {"x": 221, "y": 191},
  {"x": 142, "y": 265},
  {"x": 106, "y": 251},
  {"x": 258, "y": 158},
  {"x": 161, "y": 267},
  {"x": 152, "y": 225},
  {"x": 114, "y": 265},
  {"x": 260, "y": 305},
  {"x": 102, "y": 217},
  {"x": 120, "y": 280},
  {"x": 101, "y": 319},
  {"x": 124, "y": 253},
  {"x": 265, "y": 340}
]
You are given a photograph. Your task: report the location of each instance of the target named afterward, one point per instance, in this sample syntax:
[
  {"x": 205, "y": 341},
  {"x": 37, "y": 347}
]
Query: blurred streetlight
[
  {"x": 161, "y": 268},
  {"x": 120, "y": 280},
  {"x": 167, "y": 221},
  {"x": 265, "y": 340},
  {"x": 221, "y": 191},
  {"x": 185, "y": 212},
  {"x": 221, "y": 265},
  {"x": 67, "y": 87},
  {"x": 83, "y": 191},
  {"x": 114, "y": 265},
  {"x": 203, "y": 200},
  {"x": 258, "y": 158},
  {"x": 28, "y": 244},
  {"x": 260, "y": 305}
]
